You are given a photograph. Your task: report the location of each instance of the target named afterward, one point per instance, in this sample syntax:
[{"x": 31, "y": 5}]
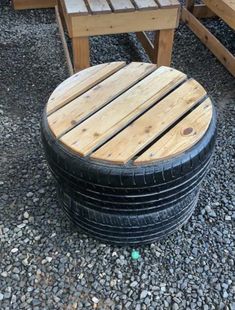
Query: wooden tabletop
[
  {"x": 121, "y": 113},
  {"x": 82, "y": 7}
]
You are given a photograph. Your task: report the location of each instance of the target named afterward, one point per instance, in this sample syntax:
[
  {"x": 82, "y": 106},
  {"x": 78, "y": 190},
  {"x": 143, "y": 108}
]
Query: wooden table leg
[
  {"x": 163, "y": 45},
  {"x": 81, "y": 53}
]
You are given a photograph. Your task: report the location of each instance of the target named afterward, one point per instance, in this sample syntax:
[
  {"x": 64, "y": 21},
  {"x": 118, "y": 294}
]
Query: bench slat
[
  {"x": 79, "y": 83},
  {"x": 145, "y": 4},
  {"x": 181, "y": 137},
  {"x": 122, "y": 5},
  {"x": 76, "y": 7},
  {"x": 74, "y": 112},
  {"x": 99, "y": 6},
  {"x": 168, "y": 3},
  {"x": 150, "y": 125},
  {"x": 112, "y": 118}
]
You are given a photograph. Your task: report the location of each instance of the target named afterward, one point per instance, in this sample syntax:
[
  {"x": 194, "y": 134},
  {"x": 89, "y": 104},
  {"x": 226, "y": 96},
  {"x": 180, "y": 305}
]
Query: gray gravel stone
[{"x": 45, "y": 262}]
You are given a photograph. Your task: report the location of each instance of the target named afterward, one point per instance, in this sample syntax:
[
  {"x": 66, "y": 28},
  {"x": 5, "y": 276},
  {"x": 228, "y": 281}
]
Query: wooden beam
[
  {"x": 163, "y": 45},
  {"x": 81, "y": 53},
  {"x": 140, "y": 20},
  {"x": 225, "y": 9},
  {"x": 190, "y": 4},
  {"x": 64, "y": 43},
  {"x": 211, "y": 42},
  {"x": 146, "y": 43},
  {"x": 33, "y": 4},
  {"x": 202, "y": 11}
]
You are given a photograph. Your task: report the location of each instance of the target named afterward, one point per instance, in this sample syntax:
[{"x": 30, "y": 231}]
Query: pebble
[
  {"x": 14, "y": 250},
  {"x": 95, "y": 300},
  {"x": 191, "y": 269},
  {"x": 143, "y": 294}
]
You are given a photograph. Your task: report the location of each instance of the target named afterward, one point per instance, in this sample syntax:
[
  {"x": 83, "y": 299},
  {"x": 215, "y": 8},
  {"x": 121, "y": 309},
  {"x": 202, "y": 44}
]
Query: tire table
[{"x": 129, "y": 146}]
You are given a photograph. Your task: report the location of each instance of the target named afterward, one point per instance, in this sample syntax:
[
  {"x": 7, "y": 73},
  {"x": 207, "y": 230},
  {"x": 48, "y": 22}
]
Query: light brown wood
[
  {"x": 76, "y": 7},
  {"x": 168, "y": 3},
  {"x": 181, "y": 137},
  {"x": 225, "y": 9},
  {"x": 202, "y": 11},
  {"x": 145, "y": 4},
  {"x": 99, "y": 6},
  {"x": 33, "y": 4},
  {"x": 146, "y": 43},
  {"x": 141, "y": 20},
  {"x": 122, "y": 5},
  {"x": 120, "y": 112},
  {"x": 83, "y": 106},
  {"x": 64, "y": 43},
  {"x": 189, "y": 4},
  {"x": 80, "y": 83},
  {"x": 163, "y": 45},
  {"x": 66, "y": 17},
  {"x": 150, "y": 125},
  {"x": 224, "y": 56},
  {"x": 81, "y": 53}
]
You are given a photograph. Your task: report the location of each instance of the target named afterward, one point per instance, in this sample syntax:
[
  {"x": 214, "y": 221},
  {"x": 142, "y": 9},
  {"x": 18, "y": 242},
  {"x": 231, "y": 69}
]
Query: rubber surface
[{"x": 128, "y": 204}]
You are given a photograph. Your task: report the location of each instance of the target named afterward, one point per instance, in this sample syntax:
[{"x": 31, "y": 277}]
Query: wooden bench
[
  {"x": 225, "y": 9},
  {"x": 92, "y": 17}
]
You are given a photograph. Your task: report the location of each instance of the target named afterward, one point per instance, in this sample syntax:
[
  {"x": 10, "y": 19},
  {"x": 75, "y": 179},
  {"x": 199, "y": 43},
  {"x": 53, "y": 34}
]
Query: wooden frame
[
  {"x": 212, "y": 43},
  {"x": 162, "y": 21},
  {"x": 33, "y": 4}
]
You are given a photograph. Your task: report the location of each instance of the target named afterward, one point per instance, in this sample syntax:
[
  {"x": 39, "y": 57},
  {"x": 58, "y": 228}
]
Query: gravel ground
[{"x": 45, "y": 262}]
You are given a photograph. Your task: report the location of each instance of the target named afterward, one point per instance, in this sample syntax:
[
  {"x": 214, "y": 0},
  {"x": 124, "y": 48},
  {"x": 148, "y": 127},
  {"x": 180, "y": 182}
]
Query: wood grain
[
  {"x": 145, "y": 4},
  {"x": 150, "y": 125},
  {"x": 99, "y": 6},
  {"x": 76, "y": 7},
  {"x": 78, "y": 109},
  {"x": 181, "y": 137},
  {"x": 102, "y": 125},
  {"x": 79, "y": 83},
  {"x": 122, "y": 5}
]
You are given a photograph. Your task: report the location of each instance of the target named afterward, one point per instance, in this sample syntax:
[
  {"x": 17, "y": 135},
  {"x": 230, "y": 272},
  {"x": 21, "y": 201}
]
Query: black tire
[
  {"x": 131, "y": 229},
  {"x": 129, "y": 204},
  {"x": 126, "y": 178}
]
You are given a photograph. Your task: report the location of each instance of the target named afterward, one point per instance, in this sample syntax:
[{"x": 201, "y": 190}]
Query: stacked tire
[{"x": 129, "y": 204}]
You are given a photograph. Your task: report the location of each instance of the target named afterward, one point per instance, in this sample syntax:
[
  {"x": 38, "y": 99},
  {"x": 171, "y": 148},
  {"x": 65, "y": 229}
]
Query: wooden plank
[
  {"x": 81, "y": 53},
  {"x": 63, "y": 40},
  {"x": 102, "y": 125},
  {"x": 61, "y": 5},
  {"x": 33, "y": 4},
  {"x": 80, "y": 108},
  {"x": 214, "y": 45},
  {"x": 189, "y": 4},
  {"x": 225, "y": 9},
  {"x": 150, "y": 125},
  {"x": 181, "y": 137},
  {"x": 163, "y": 46},
  {"x": 79, "y": 83},
  {"x": 145, "y": 4},
  {"x": 76, "y": 7},
  {"x": 168, "y": 3},
  {"x": 122, "y": 5},
  {"x": 202, "y": 11},
  {"x": 139, "y": 20},
  {"x": 146, "y": 43},
  {"x": 99, "y": 6}
]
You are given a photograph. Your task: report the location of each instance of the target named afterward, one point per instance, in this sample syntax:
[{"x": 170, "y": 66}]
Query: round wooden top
[{"x": 119, "y": 113}]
